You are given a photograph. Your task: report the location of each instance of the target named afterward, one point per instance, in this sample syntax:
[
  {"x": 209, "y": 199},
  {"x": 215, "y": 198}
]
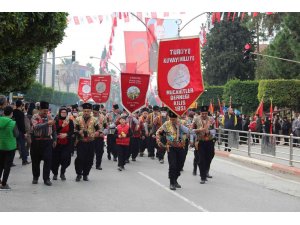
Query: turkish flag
[
  {"x": 100, "y": 88},
  {"x": 179, "y": 76},
  {"x": 89, "y": 19},
  {"x": 134, "y": 88},
  {"x": 84, "y": 89},
  {"x": 76, "y": 20},
  {"x": 260, "y": 108},
  {"x": 136, "y": 50}
]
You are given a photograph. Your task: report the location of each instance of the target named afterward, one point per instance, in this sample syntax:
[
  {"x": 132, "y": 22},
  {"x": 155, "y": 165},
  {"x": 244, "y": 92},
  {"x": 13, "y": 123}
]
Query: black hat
[
  {"x": 144, "y": 110},
  {"x": 172, "y": 114},
  {"x": 96, "y": 107},
  {"x": 44, "y": 105},
  {"x": 19, "y": 103},
  {"x": 164, "y": 109},
  {"x": 204, "y": 108},
  {"x": 74, "y": 106},
  {"x": 155, "y": 108},
  {"x": 116, "y": 106},
  {"x": 86, "y": 106}
]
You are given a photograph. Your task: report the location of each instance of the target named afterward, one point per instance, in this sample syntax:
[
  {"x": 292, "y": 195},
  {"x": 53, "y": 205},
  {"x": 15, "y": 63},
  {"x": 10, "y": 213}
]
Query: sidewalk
[{"x": 270, "y": 165}]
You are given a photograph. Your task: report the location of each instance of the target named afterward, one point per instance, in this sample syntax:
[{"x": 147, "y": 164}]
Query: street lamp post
[{"x": 93, "y": 57}]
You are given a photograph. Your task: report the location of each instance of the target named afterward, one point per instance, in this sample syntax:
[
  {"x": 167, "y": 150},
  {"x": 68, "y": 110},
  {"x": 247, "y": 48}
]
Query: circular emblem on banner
[
  {"x": 100, "y": 87},
  {"x": 133, "y": 92},
  {"x": 179, "y": 76},
  {"x": 86, "y": 89}
]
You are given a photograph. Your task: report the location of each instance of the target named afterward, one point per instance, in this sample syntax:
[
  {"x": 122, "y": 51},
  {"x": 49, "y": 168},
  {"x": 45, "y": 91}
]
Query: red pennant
[
  {"x": 213, "y": 18},
  {"x": 140, "y": 15},
  {"x": 153, "y": 15},
  {"x": 260, "y": 108},
  {"x": 115, "y": 21},
  {"x": 100, "y": 19},
  {"x": 218, "y": 16},
  {"x": 255, "y": 14},
  {"x": 134, "y": 89},
  {"x": 126, "y": 17},
  {"x": 228, "y": 16},
  {"x": 242, "y": 17},
  {"x": 220, "y": 107},
  {"x": 269, "y": 13},
  {"x": 100, "y": 88},
  {"x": 233, "y": 16},
  {"x": 89, "y": 19},
  {"x": 84, "y": 89},
  {"x": 76, "y": 20},
  {"x": 120, "y": 15},
  {"x": 179, "y": 76}
]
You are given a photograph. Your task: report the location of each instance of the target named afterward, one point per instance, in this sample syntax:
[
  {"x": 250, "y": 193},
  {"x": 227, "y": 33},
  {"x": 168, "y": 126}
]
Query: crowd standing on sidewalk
[{"x": 84, "y": 131}]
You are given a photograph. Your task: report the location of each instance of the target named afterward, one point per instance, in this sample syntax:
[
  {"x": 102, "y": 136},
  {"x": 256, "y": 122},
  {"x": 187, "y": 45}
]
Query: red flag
[
  {"x": 243, "y": 14},
  {"x": 153, "y": 15},
  {"x": 179, "y": 76},
  {"x": 213, "y": 18},
  {"x": 76, "y": 20},
  {"x": 136, "y": 49},
  {"x": 271, "y": 117},
  {"x": 233, "y": 16},
  {"x": 84, "y": 89},
  {"x": 166, "y": 14},
  {"x": 228, "y": 16},
  {"x": 218, "y": 16},
  {"x": 220, "y": 107},
  {"x": 203, "y": 36},
  {"x": 100, "y": 19},
  {"x": 269, "y": 13},
  {"x": 100, "y": 88},
  {"x": 255, "y": 14},
  {"x": 134, "y": 88},
  {"x": 128, "y": 67},
  {"x": 211, "y": 108},
  {"x": 120, "y": 15},
  {"x": 260, "y": 108},
  {"x": 140, "y": 15},
  {"x": 89, "y": 19}
]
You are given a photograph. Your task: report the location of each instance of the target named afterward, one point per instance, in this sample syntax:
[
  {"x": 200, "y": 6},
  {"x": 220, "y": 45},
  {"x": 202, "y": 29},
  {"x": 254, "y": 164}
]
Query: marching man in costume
[{"x": 174, "y": 131}]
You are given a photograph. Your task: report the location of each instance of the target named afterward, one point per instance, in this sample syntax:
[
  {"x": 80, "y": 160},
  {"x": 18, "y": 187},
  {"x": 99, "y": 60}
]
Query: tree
[
  {"x": 92, "y": 69},
  {"x": 23, "y": 38},
  {"x": 222, "y": 55}
]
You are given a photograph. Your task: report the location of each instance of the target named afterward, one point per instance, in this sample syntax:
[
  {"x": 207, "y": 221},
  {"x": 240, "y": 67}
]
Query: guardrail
[{"x": 271, "y": 145}]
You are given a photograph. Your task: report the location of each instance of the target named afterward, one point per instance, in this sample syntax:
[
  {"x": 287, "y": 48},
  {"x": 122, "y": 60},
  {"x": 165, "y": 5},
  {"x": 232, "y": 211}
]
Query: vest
[
  {"x": 229, "y": 122},
  {"x": 124, "y": 129},
  {"x": 7, "y": 140},
  {"x": 64, "y": 130}
]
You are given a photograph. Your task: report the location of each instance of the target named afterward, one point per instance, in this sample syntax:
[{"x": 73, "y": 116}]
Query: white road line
[
  {"x": 257, "y": 171},
  {"x": 174, "y": 193}
]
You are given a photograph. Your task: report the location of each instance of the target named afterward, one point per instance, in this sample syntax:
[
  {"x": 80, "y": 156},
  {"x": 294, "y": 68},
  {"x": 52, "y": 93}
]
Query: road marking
[
  {"x": 174, "y": 193},
  {"x": 257, "y": 171}
]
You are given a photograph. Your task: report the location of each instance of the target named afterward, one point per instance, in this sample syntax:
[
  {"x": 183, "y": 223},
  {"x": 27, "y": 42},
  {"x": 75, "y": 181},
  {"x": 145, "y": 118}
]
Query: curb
[{"x": 274, "y": 166}]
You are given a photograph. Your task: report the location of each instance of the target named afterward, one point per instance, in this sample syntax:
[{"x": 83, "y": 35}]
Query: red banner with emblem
[
  {"x": 84, "y": 89},
  {"x": 100, "y": 88},
  {"x": 179, "y": 76},
  {"x": 134, "y": 88}
]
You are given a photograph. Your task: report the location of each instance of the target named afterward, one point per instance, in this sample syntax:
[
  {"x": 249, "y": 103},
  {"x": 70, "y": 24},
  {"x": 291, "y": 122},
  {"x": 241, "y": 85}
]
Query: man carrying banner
[
  {"x": 175, "y": 146},
  {"x": 99, "y": 141},
  {"x": 112, "y": 119},
  {"x": 154, "y": 122},
  {"x": 205, "y": 141},
  {"x": 87, "y": 128},
  {"x": 43, "y": 141}
]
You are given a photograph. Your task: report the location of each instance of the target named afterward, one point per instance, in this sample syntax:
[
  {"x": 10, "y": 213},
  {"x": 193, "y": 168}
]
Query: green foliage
[
  {"x": 38, "y": 92},
  {"x": 212, "y": 93},
  {"x": 23, "y": 37},
  {"x": 222, "y": 55},
  {"x": 285, "y": 93},
  {"x": 243, "y": 95}
]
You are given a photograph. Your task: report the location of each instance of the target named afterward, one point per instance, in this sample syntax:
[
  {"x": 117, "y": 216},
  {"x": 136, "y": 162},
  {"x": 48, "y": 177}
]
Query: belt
[{"x": 42, "y": 138}]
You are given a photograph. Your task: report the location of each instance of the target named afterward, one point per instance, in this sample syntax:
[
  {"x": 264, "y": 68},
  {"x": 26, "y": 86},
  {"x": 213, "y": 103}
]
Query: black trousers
[
  {"x": 151, "y": 146},
  {"x": 161, "y": 153},
  {"x": 196, "y": 161},
  {"x": 111, "y": 145},
  {"x": 99, "y": 150},
  {"x": 122, "y": 154},
  {"x": 225, "y": 138},
  {"x": 176, "y": 162},
  {"x": 206, "y": 152},
  {"x": 144, "y": 144},
  {"x": 85, "y": 157},
  {"x": 134, "y": 147},
  {"x": 61, "y": 156},
  {"x": 6, "y": 159},
  {"x": 41, "y": 150}
]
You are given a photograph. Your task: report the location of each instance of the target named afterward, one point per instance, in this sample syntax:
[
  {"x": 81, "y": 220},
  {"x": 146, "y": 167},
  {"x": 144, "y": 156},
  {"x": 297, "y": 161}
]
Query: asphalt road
[{"x": 143, "y": 187}]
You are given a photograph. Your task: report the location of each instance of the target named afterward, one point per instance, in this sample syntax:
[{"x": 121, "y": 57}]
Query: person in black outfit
[
  {"x": 229, "y": 121},
  {"x": 286, "y": 129}
]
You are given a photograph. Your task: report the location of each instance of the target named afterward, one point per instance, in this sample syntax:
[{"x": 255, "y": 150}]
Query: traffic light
[
  {"x": 246, "y": 52},
  {"x": 73, "y": 56}
]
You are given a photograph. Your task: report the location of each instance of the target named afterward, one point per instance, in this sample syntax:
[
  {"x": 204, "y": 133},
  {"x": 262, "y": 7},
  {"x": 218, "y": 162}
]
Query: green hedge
[
  {"x": 243, "y": 95},
  {"x": 38, "y": 92},
  {"x": 285, "y": 93},
  {"x": 212, "y": 93}
]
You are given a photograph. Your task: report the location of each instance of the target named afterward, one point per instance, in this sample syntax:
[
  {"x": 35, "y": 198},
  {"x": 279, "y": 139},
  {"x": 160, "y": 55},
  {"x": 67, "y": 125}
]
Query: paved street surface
[{"x": 143, "y": 186}]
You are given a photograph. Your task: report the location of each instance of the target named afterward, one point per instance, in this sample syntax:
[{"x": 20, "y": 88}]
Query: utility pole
[
  {"x": 45, "y": 67},
  {"x": 53, "y": 68}
]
